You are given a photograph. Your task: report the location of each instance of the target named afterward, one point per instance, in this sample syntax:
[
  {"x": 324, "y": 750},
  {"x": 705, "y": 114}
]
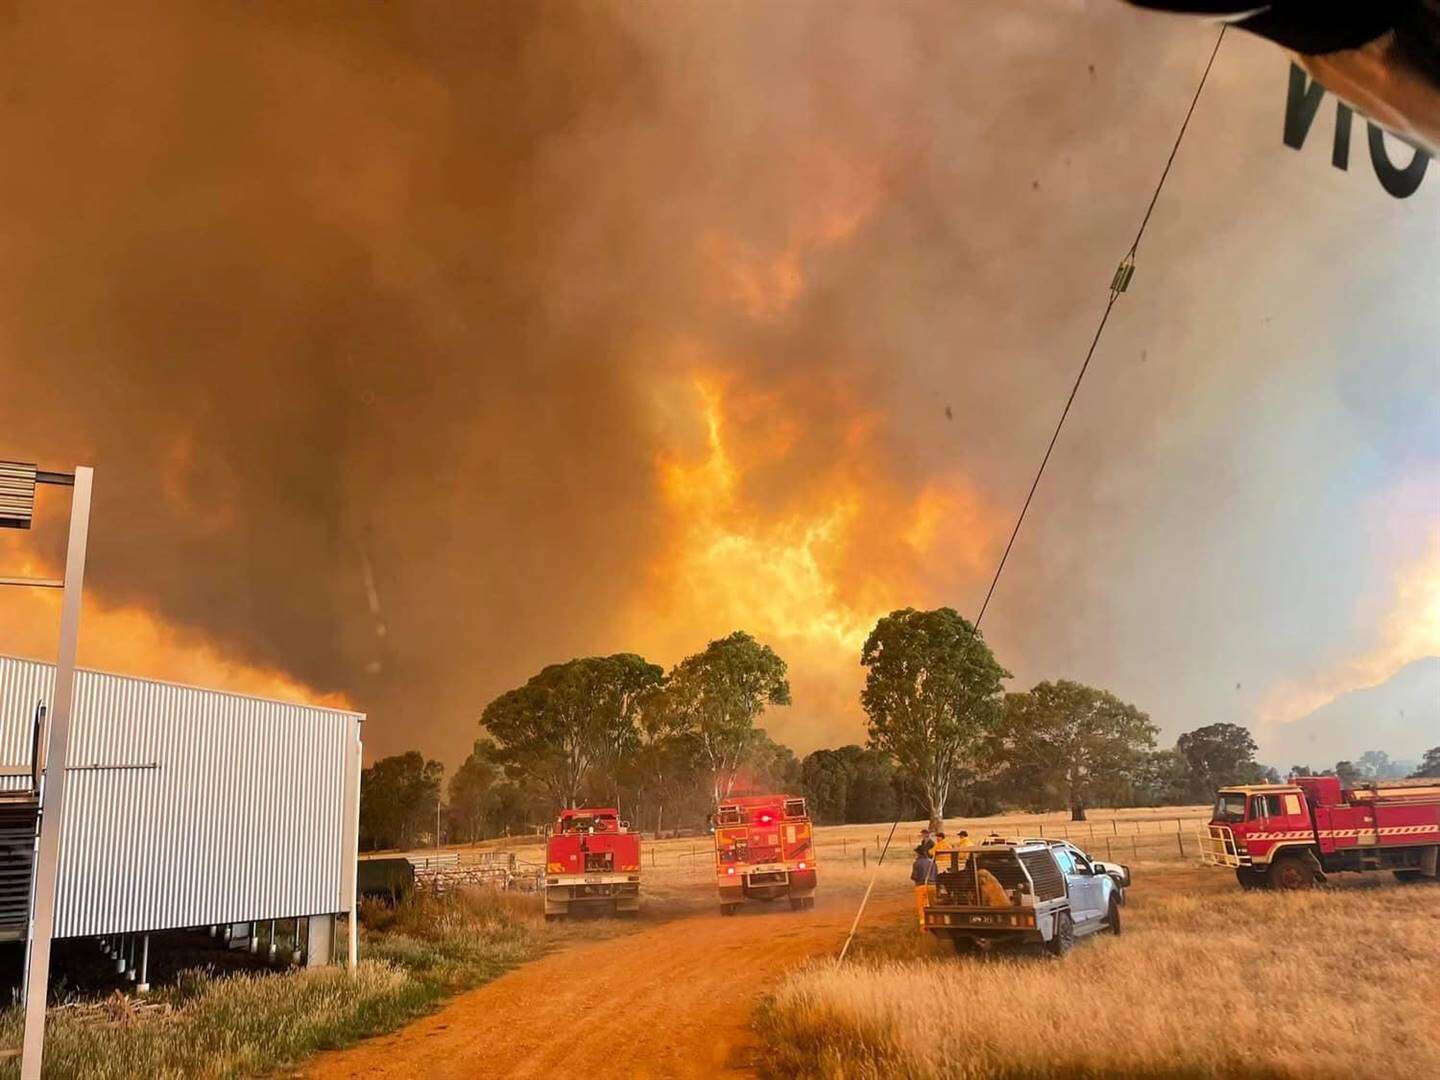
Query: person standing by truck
[
  {"x": 943, "y": 847},
  {"x": 922, "y": 874}
]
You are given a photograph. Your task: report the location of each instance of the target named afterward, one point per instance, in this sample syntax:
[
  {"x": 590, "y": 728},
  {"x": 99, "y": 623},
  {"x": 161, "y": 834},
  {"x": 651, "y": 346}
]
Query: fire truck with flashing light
[
  {"x": 764, "y": 850},
  {"x": 1289, "y": 836},
  {"x": 592, "y": 864}
]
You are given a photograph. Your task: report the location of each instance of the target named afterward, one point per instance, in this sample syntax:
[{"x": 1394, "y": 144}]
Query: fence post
[
  {"x": 1135, "y": 846},
  {"x": 1115, "y": 826},
  {"x": 1180, "y": 839},
  {"x": 1108, "y": 853},
  {"x": 844, "y": 846},
  {"x": 864, "y": 857}
]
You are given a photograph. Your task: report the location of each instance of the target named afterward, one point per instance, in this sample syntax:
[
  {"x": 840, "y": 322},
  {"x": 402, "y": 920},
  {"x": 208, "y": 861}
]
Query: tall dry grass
[
  {"x": 210, "y": 1025},
  {"x": 1206, "y": 981}
]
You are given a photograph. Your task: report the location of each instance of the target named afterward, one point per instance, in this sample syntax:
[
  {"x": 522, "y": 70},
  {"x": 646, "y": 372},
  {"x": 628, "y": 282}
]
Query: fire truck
[
  {"x": 1289, "y": 836},
  {"x": 764, "y": 850},
  {"x": 592, "y": 864}
]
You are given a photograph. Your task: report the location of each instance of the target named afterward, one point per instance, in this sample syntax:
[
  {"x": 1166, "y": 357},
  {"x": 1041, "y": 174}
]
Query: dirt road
[{"x": 676, "y": 998}]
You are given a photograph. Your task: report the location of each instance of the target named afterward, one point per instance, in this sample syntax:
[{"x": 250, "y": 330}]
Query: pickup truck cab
[{"x": 1037, "y": 892}]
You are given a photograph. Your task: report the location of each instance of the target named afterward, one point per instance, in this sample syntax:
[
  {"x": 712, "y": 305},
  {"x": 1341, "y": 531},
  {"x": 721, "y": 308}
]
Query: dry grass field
[{"x": 1206, "y": 981}]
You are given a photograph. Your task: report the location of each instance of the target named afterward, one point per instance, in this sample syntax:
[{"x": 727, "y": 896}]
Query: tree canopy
[
  {"x": 713, "y": 699},
  {"x": 1430, "y": 766},
  {"x": 570, "y": 718},
  {"x": 932, "y": 694},
  {"x": 1065, "y": 744},
  {"x": 398, "y": 799},
  {"x": 849, "y": 784},
  {"x": 473, "y": 791},
  {"x": 1217, "y": 755}
]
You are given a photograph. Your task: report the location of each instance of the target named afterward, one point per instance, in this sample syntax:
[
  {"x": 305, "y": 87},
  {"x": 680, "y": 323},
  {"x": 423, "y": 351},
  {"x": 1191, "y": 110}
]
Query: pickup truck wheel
[
  {"x": 1412, "y": 877},
  {"x": 1063, "y": 939},
  {"x": 729, "y": 909},
  {"x": 1112, "y": 918},
  {"x": 796, "y": 903},
  {"x": 1290, "y": 872},
  {"x": 964, "y": 946}
]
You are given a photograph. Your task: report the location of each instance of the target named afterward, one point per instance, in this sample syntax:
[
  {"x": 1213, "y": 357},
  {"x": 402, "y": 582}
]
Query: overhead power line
[{"x": 1118, "y": 284}]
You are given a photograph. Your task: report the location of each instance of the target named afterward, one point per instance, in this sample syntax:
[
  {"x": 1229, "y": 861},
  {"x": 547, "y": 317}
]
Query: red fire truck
[
  {"x": 1289, "y": 836},
  {"x": 592, "y": 864},
  {"x": 764, "y": 850}
]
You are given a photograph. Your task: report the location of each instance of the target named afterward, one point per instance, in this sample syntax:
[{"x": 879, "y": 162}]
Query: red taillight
[
  {"x": 802, "y": 866},
  {"x": 730, "y": 870},
  {"x": 765, "y": 819}
]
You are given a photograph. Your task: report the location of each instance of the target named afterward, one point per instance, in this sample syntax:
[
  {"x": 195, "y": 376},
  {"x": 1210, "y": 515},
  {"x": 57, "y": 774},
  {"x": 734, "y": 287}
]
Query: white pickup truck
[{"x": 1036, "y": 891}]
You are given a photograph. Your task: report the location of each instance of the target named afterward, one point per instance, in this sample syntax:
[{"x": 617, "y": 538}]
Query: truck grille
[{"x": 1218, "y": 847}]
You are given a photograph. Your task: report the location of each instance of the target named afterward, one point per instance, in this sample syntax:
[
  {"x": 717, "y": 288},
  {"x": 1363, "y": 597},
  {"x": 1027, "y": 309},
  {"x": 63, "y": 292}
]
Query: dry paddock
[{"x": 1204, "y": 981}]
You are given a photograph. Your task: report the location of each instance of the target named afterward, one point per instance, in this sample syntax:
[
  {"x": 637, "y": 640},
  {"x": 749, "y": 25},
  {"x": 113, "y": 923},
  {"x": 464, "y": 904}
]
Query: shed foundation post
[
  {"x": 143, "y": 986},
  {"x": 320, "y": 940}
]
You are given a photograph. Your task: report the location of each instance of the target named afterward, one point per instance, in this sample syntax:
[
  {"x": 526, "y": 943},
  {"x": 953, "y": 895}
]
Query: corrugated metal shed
[{"x": 190, "y": 807}]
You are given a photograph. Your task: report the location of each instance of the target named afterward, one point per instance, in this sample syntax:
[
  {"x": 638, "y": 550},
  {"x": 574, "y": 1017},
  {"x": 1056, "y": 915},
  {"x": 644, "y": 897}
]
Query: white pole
[
  {"x": 47, "y": 862},
  {"x": 144, "y": 985},
  {"x": 352, "y": 957}
]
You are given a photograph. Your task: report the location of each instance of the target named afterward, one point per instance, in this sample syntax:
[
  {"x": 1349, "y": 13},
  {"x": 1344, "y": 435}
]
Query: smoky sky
[{"x": 367, "y": 316}]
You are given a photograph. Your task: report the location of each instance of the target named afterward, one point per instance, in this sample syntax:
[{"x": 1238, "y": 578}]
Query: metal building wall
[{"x": 191, "y": 807}]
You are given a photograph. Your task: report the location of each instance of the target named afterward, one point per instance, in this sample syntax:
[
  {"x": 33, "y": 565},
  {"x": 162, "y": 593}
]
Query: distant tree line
[{"x": 944, "y": 739}]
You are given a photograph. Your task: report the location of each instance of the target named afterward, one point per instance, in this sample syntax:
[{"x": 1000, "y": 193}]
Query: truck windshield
[{"x": 1230, "y": 807}]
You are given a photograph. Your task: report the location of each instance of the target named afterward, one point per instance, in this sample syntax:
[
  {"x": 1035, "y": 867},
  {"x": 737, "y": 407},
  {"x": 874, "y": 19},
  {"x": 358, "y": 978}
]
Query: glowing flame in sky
[{"x": 809, "y": 574}]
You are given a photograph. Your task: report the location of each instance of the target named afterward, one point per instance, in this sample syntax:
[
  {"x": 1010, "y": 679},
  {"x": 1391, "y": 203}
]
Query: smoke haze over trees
[{"x": 522, "y": 331}]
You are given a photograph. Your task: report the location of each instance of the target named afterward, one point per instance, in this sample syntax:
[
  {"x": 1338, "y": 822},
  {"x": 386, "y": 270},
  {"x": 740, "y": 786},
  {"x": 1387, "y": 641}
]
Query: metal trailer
[{"x": 185, "y": 808}]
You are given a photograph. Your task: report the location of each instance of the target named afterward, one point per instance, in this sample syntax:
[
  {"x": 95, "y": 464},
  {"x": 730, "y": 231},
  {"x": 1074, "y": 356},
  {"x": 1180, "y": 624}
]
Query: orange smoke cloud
[
  {"x": 132, "y": 641},
  {"x": 833, "y": 197}
]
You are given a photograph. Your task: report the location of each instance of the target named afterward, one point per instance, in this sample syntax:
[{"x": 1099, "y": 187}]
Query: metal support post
[
  {"x": 52, "y": 807},
  {"x": 143, "y": 986}
]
